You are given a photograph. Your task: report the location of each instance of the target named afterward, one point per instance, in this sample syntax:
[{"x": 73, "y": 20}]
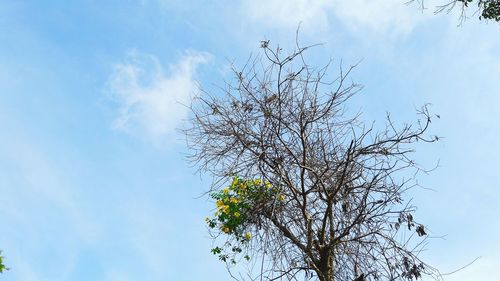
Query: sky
[{"x": 94, "y": 183}]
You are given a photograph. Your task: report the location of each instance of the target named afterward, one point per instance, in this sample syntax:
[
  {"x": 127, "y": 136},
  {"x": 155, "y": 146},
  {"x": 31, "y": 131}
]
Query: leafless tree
[{"x": 347, "y": 215}]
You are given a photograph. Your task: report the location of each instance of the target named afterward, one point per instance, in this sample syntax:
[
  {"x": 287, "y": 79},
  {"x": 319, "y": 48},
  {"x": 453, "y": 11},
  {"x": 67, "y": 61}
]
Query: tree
[
  {"x": 302, "y": 190},
  {"x": 485, "y": 9}
]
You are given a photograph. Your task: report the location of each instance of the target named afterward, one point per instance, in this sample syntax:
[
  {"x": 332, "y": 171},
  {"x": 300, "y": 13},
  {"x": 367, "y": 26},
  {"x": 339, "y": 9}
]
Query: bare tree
[{"x": 336, "y": 206}]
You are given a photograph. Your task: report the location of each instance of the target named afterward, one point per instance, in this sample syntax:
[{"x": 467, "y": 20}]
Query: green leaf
[{"x": 216, "y": 250}]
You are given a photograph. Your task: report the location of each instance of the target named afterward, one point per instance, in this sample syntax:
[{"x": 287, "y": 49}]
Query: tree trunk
[{"x": 325, "y": 266}]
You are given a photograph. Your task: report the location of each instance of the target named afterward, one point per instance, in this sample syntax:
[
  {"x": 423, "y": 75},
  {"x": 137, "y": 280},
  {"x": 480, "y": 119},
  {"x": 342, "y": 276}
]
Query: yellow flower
[
  {"x": 224, "y": 208},
  {"x": 226, "y": 229},
  {"x": 236, "y": 215},
  {"x": 257, "y": 181},
  {"x": 225, "y": 190},
  {"x": 235, "y": 182},
  {"x": 219, "y": 203},
  {"x": 233, "y": 200},
  {"x": 281, "y": 197},
  {"x": 248, "y": 235},
  {"x": 268, "y": 185}
]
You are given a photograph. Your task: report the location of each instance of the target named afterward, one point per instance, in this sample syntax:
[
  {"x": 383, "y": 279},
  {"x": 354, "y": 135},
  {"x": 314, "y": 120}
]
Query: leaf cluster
[
  {"x": 239, "y": 212},
  {"x": 486, "y": 9},
  {"x": 3, "y": 267}
]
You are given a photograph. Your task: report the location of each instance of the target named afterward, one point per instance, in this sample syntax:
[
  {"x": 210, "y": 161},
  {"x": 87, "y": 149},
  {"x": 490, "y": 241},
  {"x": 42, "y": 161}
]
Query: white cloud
[
  {"x": 377, "y": 17},
  {"x": 40, "y": 204},
  {"x": 152, "y": 103},
  {"x": 276, "y": 13},
  {"x": 391, "y": 17}
]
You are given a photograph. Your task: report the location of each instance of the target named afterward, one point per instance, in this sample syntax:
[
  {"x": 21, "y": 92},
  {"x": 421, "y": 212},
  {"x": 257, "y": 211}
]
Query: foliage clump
[
  {"x": 2, "y": 265},
  {"x": 486, "y": 9},
  {"x": 490, "y": 9},
  {"x": 240, "y": 209}
]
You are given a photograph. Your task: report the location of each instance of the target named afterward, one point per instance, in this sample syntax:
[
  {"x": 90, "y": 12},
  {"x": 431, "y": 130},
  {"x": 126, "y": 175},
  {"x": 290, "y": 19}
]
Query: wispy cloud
[
  {"x": 388, "y": 17},
  {"x": 288, "y": 14},
  {"x": 152, "y": 102},
  {"x": 40, "y": 204}
]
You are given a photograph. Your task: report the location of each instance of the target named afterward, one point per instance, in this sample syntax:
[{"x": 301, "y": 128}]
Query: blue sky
[{"x": 93, "y": 180}]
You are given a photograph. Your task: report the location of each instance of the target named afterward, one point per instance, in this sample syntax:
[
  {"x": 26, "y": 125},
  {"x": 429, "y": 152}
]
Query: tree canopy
[{"x": 302, "y": 188}]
